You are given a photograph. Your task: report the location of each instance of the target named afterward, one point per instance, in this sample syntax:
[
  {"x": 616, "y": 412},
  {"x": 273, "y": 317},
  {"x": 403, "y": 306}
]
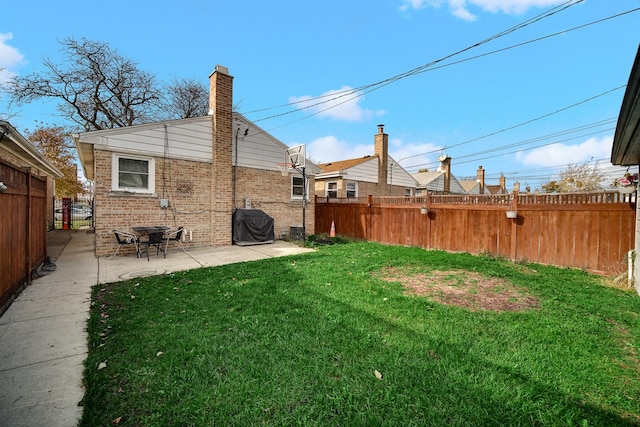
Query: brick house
[
  {"x": 377, "y": 175},
  {"x": 192, "y": 173}
]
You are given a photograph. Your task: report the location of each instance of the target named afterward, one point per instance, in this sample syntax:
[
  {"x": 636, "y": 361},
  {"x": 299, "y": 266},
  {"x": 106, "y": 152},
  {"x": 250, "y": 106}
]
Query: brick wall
[
  {"x": 221, "y": 100},
  {"x": 270, "y": 191},
  {"x": 185, "y": 185}
]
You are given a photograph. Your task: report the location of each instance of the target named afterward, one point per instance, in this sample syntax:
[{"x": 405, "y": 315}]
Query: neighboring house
[
  {"x": 479, "y": 186},
  {"x": 440, "y": 181},
  {"x": 191, "y": 173},
  {"x": 626, "y": 141},
  {"x": 376, "y": 175},
  {"x": 18, "y": 151}
]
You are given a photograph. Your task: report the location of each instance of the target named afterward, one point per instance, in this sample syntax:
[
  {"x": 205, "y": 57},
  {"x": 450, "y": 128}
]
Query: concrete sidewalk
[{"x": 43, "y": 341}]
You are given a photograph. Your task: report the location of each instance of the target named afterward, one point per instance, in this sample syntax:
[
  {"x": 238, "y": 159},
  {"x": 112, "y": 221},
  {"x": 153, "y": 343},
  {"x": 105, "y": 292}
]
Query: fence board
[
  {"x": 593, "y": 231},
  {"x": 22, "y": 231}
]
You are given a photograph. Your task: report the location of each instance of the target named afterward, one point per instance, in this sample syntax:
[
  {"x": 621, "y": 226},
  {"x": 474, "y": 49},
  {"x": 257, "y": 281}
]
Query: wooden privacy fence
[
  {"x": 594, "y": 231},
  {"x": 23, "y": 234}
]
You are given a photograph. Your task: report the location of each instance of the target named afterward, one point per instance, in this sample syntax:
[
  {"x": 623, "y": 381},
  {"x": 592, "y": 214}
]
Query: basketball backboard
[{"x": 296, "y": 156}]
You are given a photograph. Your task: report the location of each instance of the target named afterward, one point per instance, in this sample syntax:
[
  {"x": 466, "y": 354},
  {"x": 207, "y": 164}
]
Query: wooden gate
[{"x": 23, "y": 229}]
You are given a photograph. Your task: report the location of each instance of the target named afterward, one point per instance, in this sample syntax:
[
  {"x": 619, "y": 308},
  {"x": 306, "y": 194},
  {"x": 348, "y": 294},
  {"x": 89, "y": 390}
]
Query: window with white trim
[
  {"x": 133, "y": 174},
  {"x": 331, "y": 189},
  {"x": 297, "y": 187},
  {"x": 408, "y": 192},
  {"x": 352, "y": 189}
]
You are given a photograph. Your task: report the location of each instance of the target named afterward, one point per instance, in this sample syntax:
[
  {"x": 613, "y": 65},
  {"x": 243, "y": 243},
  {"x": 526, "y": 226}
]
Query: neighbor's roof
[
  {"x": 468, "y": 184},
  {"x": 23, "y": 148},
  {"x": 424, "y": 178},
  {"x": 343, "y": 164}
]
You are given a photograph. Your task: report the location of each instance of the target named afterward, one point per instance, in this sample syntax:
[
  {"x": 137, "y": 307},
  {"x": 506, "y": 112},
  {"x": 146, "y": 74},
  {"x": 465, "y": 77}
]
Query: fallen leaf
[
  {"x": 378, "y": 375},
  {"x": 117, "y": 420},
  {"x": 102, "y": 365},
  {"x": 159, "y": 353}
]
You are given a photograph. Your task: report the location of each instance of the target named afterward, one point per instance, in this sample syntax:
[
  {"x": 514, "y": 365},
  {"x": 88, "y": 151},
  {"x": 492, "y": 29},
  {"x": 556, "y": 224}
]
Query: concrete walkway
[{"x": 43, "y": 340}]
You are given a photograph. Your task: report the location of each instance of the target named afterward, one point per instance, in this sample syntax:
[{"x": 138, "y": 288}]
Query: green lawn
[{"x": 362, "y": 334}]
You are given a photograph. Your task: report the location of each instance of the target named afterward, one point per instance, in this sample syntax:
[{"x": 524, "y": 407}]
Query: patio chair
[
  {"x": 174, "y": 235},
  {"x": 150, "y": 239},
  {"x": 126, "y": 238}
]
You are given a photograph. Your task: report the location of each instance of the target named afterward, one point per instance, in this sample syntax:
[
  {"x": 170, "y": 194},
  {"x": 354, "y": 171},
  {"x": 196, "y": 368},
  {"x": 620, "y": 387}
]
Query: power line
[
  {"x": 362, "y": 90},
  {"x": 499, "y": 149}
]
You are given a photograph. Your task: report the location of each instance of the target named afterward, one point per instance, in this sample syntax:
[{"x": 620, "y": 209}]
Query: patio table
[{"x": 154, "y": 234}]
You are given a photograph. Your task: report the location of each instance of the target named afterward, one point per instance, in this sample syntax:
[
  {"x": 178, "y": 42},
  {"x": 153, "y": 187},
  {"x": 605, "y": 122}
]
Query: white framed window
[
  {"x": 331, "y": 189},
  {"x": 298, "y": 187},
  {"x": 352, "y": 189},
  {"x": 408, "y": 192},
  {"x": 133, "y": 174}
]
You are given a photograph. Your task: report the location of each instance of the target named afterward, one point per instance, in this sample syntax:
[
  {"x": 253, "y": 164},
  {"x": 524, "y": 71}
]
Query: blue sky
[{"x": 525, "y": 104}]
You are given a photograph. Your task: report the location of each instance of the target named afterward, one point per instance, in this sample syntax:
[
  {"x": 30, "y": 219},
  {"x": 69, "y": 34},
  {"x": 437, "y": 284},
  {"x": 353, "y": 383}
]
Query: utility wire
[{"x": 362, "y": 90}]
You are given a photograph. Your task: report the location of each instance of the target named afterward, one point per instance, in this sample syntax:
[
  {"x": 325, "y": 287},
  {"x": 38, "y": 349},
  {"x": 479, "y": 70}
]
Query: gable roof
[
  {"x": 434, "y": 181},
  {"x": 341, "y": 165},
  {"x": 468, "y": 184}
]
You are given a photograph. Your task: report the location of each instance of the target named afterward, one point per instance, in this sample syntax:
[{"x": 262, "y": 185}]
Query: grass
[{"x": 327, "y": 338}]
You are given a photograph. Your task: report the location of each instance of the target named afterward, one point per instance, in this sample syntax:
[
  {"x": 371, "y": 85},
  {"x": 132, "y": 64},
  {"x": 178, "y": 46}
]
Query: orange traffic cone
[{"x": 333, "y": 230}]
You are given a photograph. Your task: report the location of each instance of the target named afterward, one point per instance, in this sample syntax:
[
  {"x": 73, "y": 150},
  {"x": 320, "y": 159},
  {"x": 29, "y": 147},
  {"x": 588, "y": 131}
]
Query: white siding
[
  {"x": 260, "y": 150},
  {"x": 398, "y": 176},
  {"x": 188, "y": 139},
  {"x": 364, "y": 172}
]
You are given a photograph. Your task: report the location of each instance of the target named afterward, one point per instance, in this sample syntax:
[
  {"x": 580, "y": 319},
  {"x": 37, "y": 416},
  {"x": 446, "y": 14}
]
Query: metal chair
[
  {"x": 152, "y": 239},
  {"x": 126, "y": 238},
  {"x": 174, "y": 235}
]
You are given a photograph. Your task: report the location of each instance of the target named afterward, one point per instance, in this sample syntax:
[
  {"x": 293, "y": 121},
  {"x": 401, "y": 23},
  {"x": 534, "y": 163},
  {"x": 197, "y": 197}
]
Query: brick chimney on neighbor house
[
  {"x": 220, "y": 107},
  {"x": 480, "y": 180},
  {"x": 445, "y": 167},
  {"x": 381, "y": 149},
  {"x": 503, "y": 183}
]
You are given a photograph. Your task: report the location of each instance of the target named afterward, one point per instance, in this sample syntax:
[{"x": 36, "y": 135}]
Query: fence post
[{"x": 514, "y": 226}]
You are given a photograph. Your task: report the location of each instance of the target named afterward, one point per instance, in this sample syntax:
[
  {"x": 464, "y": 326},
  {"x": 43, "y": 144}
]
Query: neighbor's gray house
[
  {"x": 372, "y": 175},
  {"x": 440, "y": 181},
  {"x": 626, "y": 141},
  {"x": 479, "y": 186},
  {"x": 192, "y": 173}
]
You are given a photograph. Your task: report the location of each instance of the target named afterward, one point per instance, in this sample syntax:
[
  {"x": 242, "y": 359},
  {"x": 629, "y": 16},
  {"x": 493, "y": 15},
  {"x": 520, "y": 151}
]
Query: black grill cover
[{"x": 252, "y": 226}]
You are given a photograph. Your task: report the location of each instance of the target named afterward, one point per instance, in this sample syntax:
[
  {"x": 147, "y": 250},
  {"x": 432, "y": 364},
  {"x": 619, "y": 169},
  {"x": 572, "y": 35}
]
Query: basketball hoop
[{"x": 285, "y": 168}]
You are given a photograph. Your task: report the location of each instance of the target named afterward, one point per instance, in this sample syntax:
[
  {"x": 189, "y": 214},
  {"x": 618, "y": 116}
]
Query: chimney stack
[
  {"x": 381, "y": 149},
  {"x": 480, "y": 180},
  {"x": 221, "y": 105},
  {"x": 503, "y": 183},
  {"x": 445, "y": 166}
]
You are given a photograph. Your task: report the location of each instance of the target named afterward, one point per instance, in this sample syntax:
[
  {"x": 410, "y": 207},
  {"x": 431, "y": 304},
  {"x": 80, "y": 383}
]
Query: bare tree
[
  {"x": 185, "y": 98},
  {"x": 97, "y": 87}
]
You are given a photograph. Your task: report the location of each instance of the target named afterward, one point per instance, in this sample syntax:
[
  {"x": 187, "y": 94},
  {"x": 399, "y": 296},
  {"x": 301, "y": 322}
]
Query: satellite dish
[{"x": 442, "y": 158}]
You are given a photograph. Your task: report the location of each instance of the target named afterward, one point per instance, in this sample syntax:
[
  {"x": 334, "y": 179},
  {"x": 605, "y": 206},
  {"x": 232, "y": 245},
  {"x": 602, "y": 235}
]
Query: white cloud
[
  {"x": 330, "y": 149},
  {"x": 340, "y": 104},
  {"x": 10, "y": 58},
  {"x": 561, "y": 154},
  {"x": 460, "y": 8}
]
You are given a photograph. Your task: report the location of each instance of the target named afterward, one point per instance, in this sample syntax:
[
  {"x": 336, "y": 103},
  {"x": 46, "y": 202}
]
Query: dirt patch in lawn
[{"x": 463, "y": 289}]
